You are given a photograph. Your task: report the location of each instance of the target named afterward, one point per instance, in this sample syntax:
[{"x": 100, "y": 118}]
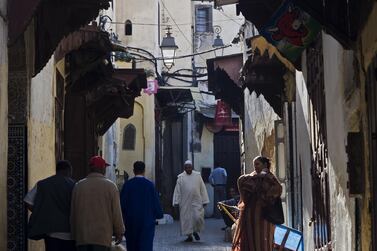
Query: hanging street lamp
[
  {"x": 218, "y": 42},
  {"x": 168, "y": 49}
]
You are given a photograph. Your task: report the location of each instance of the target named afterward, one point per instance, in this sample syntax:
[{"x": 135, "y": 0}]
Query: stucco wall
[
  {"x": 204, "y": 158},
  {"x": 259, "y": 125},
  {"x": 128, "y": 157},
  {"x": 342, "y": 206},
  {"x": 336, "y": 73},
  {"x": 304, "y": 156},
  {"x": 3, "y": 126},
  {"x": 367, "y": 49},
  {"x": 41, "y": 130},
  {"x": 143, "y": 120}
]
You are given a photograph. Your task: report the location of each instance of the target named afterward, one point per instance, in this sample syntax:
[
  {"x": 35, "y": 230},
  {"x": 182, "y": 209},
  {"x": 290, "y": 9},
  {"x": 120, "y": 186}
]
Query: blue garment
[
  {"x": 140, "y": 208},
  {"x": 218, "y": 176}
]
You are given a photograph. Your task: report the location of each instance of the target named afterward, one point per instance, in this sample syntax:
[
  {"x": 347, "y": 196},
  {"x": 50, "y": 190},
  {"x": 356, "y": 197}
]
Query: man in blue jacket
[{"x": 140, "y": 208}]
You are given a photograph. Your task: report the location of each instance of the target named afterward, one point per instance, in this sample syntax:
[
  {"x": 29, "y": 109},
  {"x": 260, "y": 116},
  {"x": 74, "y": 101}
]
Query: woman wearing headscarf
[{"x": 257, "y": 190}]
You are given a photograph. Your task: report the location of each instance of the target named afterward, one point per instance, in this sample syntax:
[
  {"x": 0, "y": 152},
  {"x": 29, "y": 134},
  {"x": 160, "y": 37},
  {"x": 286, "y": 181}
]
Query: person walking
[
  {"x": 140, "y": 207},
  {"x": 190, "y": 194},
  {"x": 95, "y": 212},
  {"x": 50, "y": 204},
  {"x": 218, "y": 178},
  {"x": 258, "y": 190}
]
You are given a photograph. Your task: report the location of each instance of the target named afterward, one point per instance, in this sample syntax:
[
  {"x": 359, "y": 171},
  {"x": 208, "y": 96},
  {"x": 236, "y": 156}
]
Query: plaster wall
[
  {"x": 3, "y": 124},
  {"x": 304, "y": 156},
  {"x": 143, "y": 120},
  {"x": 128, "y": 157},
  {"x": 205, "y": 159},
  {"x": 368, "y": 41},
  {"x": 367, "y": 50},
  {"x": 342, "y": 206},
  {"x": 41, "y": 131},
  {"x": 258, "y": 127}
]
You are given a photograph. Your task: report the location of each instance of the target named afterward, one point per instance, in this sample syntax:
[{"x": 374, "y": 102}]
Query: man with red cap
[{"x": 95, "y": 211}]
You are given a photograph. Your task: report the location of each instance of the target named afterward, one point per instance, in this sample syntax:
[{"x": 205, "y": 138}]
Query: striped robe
[{"x": 253, "y": 232}]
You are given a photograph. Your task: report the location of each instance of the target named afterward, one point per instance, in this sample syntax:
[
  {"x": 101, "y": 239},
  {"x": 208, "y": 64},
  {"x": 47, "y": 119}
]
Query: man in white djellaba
[{"x": 190, "y": 194}]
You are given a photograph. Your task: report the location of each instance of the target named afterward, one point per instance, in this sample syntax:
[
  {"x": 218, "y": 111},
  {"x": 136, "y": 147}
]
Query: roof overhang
[
  {"x": 52, "y": 20},
  {"x": 174, "y": 102},
  {"x": 114, "y": 97},
  {"x": 264, "y": 75},
  {"x": 224, "y": 80}
]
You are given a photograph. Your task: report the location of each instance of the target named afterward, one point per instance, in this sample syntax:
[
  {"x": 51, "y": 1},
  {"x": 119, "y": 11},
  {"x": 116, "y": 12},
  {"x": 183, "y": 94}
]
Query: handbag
[{"x": 274, "y": 213}]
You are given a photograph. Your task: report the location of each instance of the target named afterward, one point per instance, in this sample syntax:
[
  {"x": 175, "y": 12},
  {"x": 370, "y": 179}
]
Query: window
[
  {"x": 128, "y": 28},
  {"x": 203, "y": 18},
  {"x": 129, "y": 137}
]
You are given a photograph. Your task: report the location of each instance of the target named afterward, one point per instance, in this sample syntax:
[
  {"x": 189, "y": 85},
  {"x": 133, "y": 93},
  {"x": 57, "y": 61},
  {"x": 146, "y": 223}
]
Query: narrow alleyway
[{"x": 168, "y": 238}]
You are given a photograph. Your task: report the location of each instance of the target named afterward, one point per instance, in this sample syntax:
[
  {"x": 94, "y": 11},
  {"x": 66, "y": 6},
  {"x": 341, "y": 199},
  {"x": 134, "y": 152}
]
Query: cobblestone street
[{"x": 168, "y": 238}]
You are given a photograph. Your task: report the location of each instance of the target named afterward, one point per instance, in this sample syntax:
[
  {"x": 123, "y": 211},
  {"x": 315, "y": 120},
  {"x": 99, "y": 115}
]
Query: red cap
[{"x": 98, "y": 161}]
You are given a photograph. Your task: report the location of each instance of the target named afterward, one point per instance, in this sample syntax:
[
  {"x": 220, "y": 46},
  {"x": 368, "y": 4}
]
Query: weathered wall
[
  {"x": 128, "y": 157},
  {"x": 204, "y": 158},
  {"x": 367, "y": 49},
  {"x": 258, "y": 127},
  {"x": 304, "y": 156},
  {"x": 3, "y": 124},
  {"x": 143, "y": 120},
  {"x": 41, "y": 130},
  {"x": 342, "y": 206},
  {"x": 339, "y": 116}
]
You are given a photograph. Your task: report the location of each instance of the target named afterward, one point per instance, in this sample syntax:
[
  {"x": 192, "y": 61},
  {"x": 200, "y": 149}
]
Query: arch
[
  {"x": 129, "y": 137},
  {"x": 128, "y": 28}
]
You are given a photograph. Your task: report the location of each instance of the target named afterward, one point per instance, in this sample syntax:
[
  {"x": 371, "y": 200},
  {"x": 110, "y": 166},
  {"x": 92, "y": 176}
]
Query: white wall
[
  {"x": 41, "y": 130},
  {"x": 3, "y": 125},
  {"x": 336, "y": 73},
  {"x": 342, "y": 207},
  {"x": 304, "y": 156},
  {"x": 259, "y": 124}
]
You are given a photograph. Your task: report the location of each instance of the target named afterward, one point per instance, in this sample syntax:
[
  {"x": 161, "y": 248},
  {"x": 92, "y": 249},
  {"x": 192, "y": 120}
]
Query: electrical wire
[
  {"x": 225, "y": 15},
  {"x": 183, "y": 34},
  {"x": 152, "y": 24}
]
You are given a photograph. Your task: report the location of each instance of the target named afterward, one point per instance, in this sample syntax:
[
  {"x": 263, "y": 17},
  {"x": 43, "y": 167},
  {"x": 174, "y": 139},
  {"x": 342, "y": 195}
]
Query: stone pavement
[{"x": 168, "y": 238}]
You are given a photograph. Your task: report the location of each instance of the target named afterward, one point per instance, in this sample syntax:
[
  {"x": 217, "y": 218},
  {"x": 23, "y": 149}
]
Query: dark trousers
[
  {"x": 139, "y": 239},
  {"x": 219, "y": 195},
  {"x": 93, "y": 248},
  {"x": 54, "y": 244}
]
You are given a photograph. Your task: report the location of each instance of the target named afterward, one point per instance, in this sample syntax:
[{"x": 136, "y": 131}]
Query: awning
[
  {"x": 114, "y": 97},
  {"x": 224, "y": 80},
  {"x": 173, "y": 102},
  {"x": 53, "y": 19},
  {"x": 264, "y": 75},
  {"x": 283, "y": 24},
  {"x": 210, "y": 112},
  {"x": 78, "y": 38},
  {"x": 342, "y": 19},
  {"x": 260, "y": 43}
]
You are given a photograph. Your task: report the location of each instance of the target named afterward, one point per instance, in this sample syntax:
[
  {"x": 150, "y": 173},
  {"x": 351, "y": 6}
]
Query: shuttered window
[{"x": 203, "y": 18}]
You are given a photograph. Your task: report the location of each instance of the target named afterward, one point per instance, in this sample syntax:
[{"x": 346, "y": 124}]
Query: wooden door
[{"x": 227, "y": 154}]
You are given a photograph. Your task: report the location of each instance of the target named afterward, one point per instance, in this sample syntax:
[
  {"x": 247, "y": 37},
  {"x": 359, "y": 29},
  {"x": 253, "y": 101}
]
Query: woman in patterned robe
[{"x": 258, "y": 189}]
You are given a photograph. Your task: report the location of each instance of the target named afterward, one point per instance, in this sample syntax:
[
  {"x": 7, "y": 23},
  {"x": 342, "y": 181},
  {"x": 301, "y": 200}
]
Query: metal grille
[
  {"x": 320, "y": 182},
  {"x": 16, "y": 184}
]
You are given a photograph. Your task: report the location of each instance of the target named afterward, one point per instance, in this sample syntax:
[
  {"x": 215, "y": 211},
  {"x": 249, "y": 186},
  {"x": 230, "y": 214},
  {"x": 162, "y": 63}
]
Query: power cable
[{"x": 183, "y": 34}]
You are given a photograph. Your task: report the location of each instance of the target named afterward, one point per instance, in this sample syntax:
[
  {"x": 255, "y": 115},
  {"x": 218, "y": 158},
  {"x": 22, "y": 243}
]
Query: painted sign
[
  {"x": 291, "y": 30},
  {"x": 152, "y": 87},
  {"x": 223, "y": 116}
]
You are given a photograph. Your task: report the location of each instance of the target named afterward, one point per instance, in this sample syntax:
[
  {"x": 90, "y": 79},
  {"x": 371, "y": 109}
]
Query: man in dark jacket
[
  {"x": 140, "y": 208},
  {"x": 50, "y": 203}
]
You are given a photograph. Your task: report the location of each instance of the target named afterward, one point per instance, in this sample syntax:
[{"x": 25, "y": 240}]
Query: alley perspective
[{"x": 143, "y": 125}]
